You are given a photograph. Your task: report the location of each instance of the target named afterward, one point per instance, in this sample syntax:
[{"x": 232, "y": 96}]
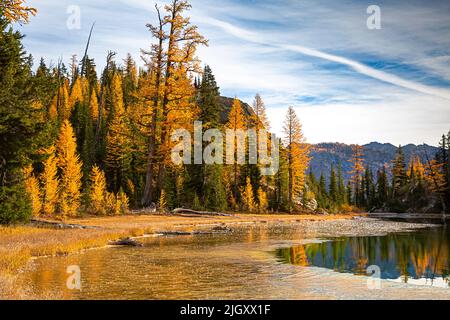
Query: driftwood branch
[
  {"x": 202, "y": 213},
  {"x": 126, "y": 242}
]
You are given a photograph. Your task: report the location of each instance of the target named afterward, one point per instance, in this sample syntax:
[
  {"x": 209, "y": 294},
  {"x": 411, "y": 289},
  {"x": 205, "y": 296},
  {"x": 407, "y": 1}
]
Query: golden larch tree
[
  {"x": 416, "y": 169},
  {"x": 50, "y": 182},
  {"x": 248, "y": 197},
  {"x": 260, "y": 116},
  {"x": 32, "y": 188},
  {"x": 236, "y": 121},
  {"x": 62, "y": 102},
  {"x": 263, "y": 203},
  {"x": 53, "y": 109},
  {"x": 93, "y": 105},
  {"x": 357, "y": 171},
  {"x": 117, "y": 94},
  {"x": 70, "y": 165},
  {"x": 76, "y": 94},
  {"x": 16, "y": 11},
  {"x": 97, "y": 191},
  {"x": 297, "y": 156}
]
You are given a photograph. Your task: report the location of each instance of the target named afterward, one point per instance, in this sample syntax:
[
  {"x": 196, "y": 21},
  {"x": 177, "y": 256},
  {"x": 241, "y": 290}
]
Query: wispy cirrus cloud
[
  {"x": 252, "y": 36},
  {"x": 316, "y": 55}
]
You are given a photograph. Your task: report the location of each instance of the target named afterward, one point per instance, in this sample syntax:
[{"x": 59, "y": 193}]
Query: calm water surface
[
  {"x": 402, "y": 256},
  {"x": 255, "y": 262}
]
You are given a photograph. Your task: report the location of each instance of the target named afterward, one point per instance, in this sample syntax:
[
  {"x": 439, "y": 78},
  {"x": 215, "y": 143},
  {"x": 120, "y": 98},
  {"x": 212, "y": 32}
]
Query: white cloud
[{"x": 266, "y": 47}]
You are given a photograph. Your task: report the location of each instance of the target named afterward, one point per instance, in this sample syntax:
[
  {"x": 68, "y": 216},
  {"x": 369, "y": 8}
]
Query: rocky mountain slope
[{"x": 376, "y": 155}]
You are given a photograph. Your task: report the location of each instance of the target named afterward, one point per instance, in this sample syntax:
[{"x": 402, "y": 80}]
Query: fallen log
[
  {"x": 201, "y": 213},
  {"x": 126, "y": 242},
  {"x": 174, "y": 233}
]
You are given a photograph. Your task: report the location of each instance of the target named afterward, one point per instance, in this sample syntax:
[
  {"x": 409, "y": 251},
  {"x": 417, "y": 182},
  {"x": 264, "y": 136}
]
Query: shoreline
[{"x": 21, "y": 244}]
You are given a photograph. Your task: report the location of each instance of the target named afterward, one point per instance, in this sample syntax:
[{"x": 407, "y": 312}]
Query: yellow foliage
[
  {"x": 297, "y": 154},
  {"x": 97, "y": 192},
  {"x": 248, "y": 198},
  {"x": 49, "y": 180},
  {"x": 236, "y": 118},
  {"x": 93, "y": 105},
  {"x": 53, "y": 109},
  {"x": 346, "y": 208},
  {"x": 124, "y": 202},
  {"x": 162, "y": 203},
  {"x": 263, "y": 203},
  {"x": 435, "y": 177},
  {"x": 70, "y": 164},
  {"x": 416, "y": 168},
  {"x": 16, "y": 11},
  {"x": 76, "y": 94},
  {"x": 110, "y": 203},
  {"x": 62, "y": 102},
  {"x": 358, "y": 166},
  {"x": 299, "y": 163},
  {"x": 118, "y": 144},
  {"x": 32, "y": 188},
  {"x": 120, "y": 204},
  {"x": 181, "y": 108},
  {"x": 117, "y": 207},
  {"x": 117, "y": 94}
]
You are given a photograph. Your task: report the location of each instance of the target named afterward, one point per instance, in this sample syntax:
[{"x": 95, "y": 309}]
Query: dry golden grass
[{"x": 19, "y": 243}]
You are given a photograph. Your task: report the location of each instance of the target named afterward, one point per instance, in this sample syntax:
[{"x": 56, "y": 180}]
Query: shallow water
[{"x": 254, "y": 262}]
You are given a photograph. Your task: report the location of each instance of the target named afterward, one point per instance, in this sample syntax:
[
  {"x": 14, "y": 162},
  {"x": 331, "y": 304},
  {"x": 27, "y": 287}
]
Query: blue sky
[{"x": 346, "y": 82}]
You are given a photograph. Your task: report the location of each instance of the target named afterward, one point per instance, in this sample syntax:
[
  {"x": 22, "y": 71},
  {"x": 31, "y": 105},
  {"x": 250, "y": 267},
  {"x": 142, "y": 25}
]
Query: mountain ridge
[{"x": 375, "y": 154}]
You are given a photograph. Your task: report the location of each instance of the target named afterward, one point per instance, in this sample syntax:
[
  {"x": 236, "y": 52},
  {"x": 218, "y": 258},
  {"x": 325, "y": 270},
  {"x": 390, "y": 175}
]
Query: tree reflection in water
[{"x": 417, "y": 255}]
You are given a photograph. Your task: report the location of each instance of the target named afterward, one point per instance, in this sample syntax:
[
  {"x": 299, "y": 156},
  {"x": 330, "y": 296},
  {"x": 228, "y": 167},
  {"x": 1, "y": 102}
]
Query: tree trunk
[{"x": 147, "y": 197}]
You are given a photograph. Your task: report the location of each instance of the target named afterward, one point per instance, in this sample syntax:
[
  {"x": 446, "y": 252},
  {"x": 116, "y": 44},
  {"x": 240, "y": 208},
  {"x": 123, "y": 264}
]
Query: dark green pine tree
[
  {"x": 442, "y": 157},
  {"x": 341, "y": 186},
  {"x": 361, "y": 197},
  {"x": 382, "y": 193},
  {"x": 322, "y": 198},
  {"x": 349, "y": 194},
  {"x": 369, "y": 188},
  {"x": 83, "y": 127},
  {"x": 448, "y": 170},
  {"x": 399, "y": 177},
  {"x": 208, "y": 101},
  {"x": 214, "y": 193},
  {"x": 45, "y": 86},
  {"x": 333, "y": 186},
  {"x": 129, "y": 83},
  {"x": 18, "y": 126}
]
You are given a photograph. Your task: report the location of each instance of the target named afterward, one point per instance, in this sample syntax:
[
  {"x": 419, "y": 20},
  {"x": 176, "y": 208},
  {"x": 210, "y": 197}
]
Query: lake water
[
  {"x": 419, "y": 257},
  {"x": 255, "y": 262}
]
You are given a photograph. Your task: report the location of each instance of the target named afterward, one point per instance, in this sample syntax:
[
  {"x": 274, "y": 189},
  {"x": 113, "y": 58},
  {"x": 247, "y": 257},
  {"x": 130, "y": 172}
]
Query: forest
[{"x": 76, "y": 142}]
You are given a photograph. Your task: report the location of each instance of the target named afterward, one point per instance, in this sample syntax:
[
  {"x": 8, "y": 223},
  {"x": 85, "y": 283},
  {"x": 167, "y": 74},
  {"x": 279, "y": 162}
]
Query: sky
[{"x": 347, "y": 83}]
